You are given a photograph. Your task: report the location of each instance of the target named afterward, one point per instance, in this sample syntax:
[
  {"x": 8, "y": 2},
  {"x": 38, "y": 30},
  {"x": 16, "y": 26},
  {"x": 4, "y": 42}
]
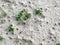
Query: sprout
[
  {"x": 3, "y": 13},
  {"x": 22, "y": 15},
  {"x": 38, "y": 11},
  {"x": 1, "y": 38},
  {"x": 11, "y": 29},
  {"x": 18, "y": 17},
  {"x": 57, "y": 43},
  {"x": 27, "y": 16}
]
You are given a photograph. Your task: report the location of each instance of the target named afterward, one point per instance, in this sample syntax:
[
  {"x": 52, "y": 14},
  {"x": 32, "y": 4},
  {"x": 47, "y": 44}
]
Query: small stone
[
  {"x": 20, "y": 32},
  {"x": 29, "y": 2},
  {"x": 59, "y": 24},
  {"x": 10, "y": 38},
  {"x": 24, "y": 23},
  {"x": 43, "y": 39},
  {"x": 6, "y": 33},
  {"x": 53, "y": 28},
  {"x": 47, "y": 22},
  {"x": 55, "y": 24},
  {"x": 41, "y": 44},
  {"x": 17, "y": 29}
]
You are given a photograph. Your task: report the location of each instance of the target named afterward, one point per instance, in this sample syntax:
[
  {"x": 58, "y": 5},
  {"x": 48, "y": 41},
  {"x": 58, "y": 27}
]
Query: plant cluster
[{"x": 22, "y": 16}]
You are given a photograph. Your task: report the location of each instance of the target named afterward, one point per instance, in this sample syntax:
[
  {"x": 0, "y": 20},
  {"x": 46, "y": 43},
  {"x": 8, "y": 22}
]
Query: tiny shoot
[
  {"x": 1, "y": 38},
  {"x": 38, "y": 11},
  {"x": 27, "y": 16},
  {"x": 11, "y": 29}
]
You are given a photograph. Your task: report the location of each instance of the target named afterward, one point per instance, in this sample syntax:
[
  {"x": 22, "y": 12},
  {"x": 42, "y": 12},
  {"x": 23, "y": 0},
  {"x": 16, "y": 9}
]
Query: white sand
[{"x": 38, "y": 30}]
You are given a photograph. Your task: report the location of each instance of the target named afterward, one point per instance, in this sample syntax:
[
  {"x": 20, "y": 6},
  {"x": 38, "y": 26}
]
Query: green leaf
[
  {"x": 20, "y": 21},
  {"x": 11, "y": 30}
]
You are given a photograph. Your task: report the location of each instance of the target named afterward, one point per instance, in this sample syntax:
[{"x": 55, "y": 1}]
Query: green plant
[
  {"x": 27, "y": 16},
  {"x": 11, "y": 29},
  {"x": 18, "y": 17},
  {"x": 23, "y": 15},
  {"x": 1, "y": 38},
  {"x": 38, "y": 11},
  {"x": 57, "y": 43},
  {"x": 3, "y": 14}
]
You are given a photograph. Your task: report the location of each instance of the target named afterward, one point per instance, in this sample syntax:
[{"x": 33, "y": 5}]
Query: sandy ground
[{"x": 39, "y": 30}]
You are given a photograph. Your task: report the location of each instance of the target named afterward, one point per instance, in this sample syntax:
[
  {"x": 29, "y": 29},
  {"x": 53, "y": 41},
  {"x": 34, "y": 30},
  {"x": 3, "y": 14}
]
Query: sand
[{"x": 39, "y": 29}]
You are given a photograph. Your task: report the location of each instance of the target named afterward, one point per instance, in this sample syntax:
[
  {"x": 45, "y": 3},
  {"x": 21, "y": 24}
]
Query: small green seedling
[
  {"x": 21, "y": 13},
  {"x": 20, "y": 21},
  {"x": 3, "y": 14},
  {"x": 57, "y": 43},
  {"x": 11, "y": 29},
  {"x": 27, "y": 16},
  {"x": 18, "y": 17},
  {"x": 1, "y": 38},
  {"x": 38, "y": 11}
]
